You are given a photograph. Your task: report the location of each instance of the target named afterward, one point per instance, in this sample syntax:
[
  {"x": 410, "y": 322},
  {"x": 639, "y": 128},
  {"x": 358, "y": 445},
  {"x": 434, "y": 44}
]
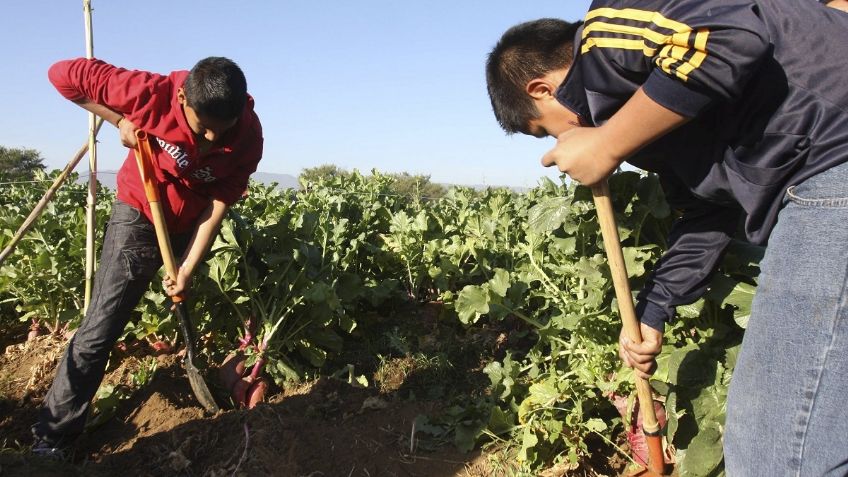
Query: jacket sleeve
[
  {"x": 696, "y": 244},
  {"x": 230, "y": 189},
  {"x": 685, "y": 54},
  {"x": 130, "y": 93},
  {"x": 234, "y": 186}
]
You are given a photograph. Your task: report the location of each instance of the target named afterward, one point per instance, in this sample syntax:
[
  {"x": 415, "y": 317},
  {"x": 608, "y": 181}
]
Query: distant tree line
[{"x": 18, "y": 164}]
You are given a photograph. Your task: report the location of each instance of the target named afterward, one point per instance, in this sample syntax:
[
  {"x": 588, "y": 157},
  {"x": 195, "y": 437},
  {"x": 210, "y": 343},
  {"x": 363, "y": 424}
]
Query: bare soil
[{"x": 324, "y": 428}]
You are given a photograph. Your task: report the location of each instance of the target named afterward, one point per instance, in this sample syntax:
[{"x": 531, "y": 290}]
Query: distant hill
[
  {"x": 482, "y": 187},
  {"x": 284, "y": 181},
  {"x": 108, "y": 179}
]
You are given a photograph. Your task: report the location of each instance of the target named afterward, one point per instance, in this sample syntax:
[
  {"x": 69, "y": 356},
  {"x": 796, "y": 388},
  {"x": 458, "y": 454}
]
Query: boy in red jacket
[{"x": 206, "y": 141}]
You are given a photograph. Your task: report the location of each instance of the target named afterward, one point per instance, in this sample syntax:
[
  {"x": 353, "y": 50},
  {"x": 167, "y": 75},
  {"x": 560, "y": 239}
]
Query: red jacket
[{"x": 187, "y": 182}]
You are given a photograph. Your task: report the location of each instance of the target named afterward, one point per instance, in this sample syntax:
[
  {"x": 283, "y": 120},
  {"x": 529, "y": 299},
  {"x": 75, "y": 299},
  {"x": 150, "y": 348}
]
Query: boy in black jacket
[{"x": 740, "y": 107}]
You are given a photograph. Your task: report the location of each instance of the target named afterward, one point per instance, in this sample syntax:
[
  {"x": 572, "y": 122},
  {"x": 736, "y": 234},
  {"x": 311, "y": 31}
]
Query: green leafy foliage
[
  {"x": 305, "y": 265},
  {"x": 44, "y": 278},
  {"x": 314, "y": 266}
]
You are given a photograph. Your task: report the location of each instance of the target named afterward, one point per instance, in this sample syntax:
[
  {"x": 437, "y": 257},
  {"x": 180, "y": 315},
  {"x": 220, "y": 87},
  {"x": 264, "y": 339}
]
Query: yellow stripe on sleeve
[
  {"x": 676, "y": 44},
  {"x": 619, "y": 43},
  {"x": 639, "y": 15},
  {"x": 697, "y": 58},
  {"x": 642, "y": 32}
]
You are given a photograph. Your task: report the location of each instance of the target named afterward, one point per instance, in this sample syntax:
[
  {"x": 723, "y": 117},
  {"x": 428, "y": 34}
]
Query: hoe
[{"x": 144, "y": 158}]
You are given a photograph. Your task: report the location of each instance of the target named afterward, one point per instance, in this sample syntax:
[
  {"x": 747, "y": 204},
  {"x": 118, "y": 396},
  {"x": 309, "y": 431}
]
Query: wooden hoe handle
[
  {"x": 144, "y": 159},
  {"x": 615, "y": 258}
]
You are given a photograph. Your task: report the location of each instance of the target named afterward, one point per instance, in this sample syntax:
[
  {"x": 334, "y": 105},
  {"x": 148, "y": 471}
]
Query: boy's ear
[
  {"x": 545, "y": 86},
  {"x": 540, "y": 88},
  {"x": 181, "y": 96}
]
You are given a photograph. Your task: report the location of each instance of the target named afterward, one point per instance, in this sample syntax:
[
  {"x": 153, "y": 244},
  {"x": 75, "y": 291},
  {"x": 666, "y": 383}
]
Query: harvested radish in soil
[
  {"x": 634, "y": 432},
  {"x": 232, "y": 369},
  {"x": 256, "y": 393},
  {"x": 161, "y": 347},
  {"x": 239, "y": 391},
  {"x": 34, "y": 331},
  {"x": 246, "y": 391}
]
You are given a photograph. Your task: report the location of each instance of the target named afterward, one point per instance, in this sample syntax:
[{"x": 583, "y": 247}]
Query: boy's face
[
  {"x": 206, "y": 128},
  {"x": 554, "y": 118}
]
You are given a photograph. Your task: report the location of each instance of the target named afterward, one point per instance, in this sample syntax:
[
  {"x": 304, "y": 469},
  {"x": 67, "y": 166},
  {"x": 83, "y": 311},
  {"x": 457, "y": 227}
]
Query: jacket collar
[{"x": 571, "y": 93}]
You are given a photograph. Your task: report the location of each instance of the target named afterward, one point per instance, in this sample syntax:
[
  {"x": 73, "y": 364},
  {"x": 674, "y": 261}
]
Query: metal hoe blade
[{"x": 198, "y": 385}]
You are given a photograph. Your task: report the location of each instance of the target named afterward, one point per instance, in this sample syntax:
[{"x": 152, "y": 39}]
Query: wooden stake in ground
[
  {"x": 39, "y": 207},
  {"x": 618, "y": 270},
  {"x": 91, "y": 200}
]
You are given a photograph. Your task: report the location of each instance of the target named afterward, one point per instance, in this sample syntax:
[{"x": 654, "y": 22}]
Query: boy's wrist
[
  {"x": 651, "y": 314},
  {"x": 610, "y": 141},
  {"x": 185, "y": 269}
]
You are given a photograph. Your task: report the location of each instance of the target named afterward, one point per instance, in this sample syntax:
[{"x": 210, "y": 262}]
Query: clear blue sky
[{"x": 397, "y": 86}]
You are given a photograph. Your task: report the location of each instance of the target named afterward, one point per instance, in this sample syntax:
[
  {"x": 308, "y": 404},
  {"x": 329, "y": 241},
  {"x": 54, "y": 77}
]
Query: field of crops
[{"x": 470, "y": 334}]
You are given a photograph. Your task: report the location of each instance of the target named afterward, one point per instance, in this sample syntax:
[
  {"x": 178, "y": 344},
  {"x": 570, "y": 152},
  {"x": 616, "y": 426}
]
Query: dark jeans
[{"x": 129, "y": 260}]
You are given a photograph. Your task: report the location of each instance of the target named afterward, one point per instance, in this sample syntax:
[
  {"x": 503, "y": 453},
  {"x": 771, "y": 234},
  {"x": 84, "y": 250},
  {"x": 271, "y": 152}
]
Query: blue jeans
[
  {"x": 128, "y": 262},
  {"x": 787, "y": 408}
]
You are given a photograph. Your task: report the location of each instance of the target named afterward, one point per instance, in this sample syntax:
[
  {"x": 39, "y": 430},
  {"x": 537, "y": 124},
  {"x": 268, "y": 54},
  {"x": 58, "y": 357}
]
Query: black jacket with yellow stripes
[{"x": 766, "y": 85}]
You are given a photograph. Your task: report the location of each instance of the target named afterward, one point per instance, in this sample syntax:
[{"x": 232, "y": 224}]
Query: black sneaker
[{"x": 49, "y": 449}]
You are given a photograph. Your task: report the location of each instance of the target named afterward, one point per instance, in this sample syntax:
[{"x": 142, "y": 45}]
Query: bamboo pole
[
  {"x": 618, "y": 270},
  {"x": 39, "y": 207},
  {"x": 91, "y": 200}
]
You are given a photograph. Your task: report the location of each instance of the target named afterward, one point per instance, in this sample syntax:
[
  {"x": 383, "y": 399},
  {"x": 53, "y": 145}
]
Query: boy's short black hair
[
  {"x": 216, "y": 88},
  {"x": 526, "y": 51}
]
